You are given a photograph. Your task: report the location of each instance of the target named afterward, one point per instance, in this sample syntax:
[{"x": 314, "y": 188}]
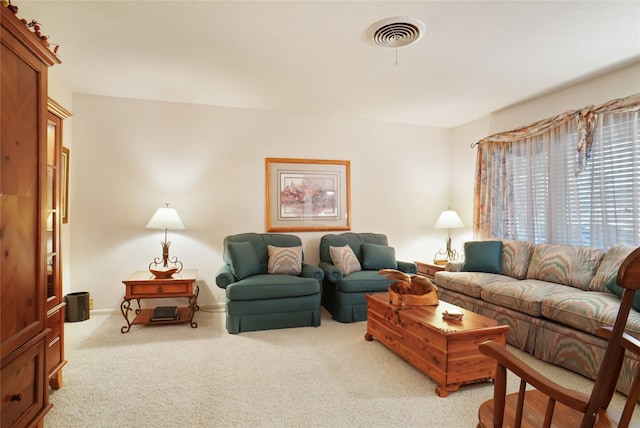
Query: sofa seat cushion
[
  {"x": 267, "y": 286},
  {"x": 587, "y": 311},
  {"x": 524, "y": 296},
  {"x": 469, "y": 283},
  {"x": 363, "y": 281}
]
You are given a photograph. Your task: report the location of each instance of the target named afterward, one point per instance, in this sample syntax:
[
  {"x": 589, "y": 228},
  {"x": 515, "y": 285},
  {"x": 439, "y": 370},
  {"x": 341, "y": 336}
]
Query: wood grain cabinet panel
[{"x": 24, "y": 60}]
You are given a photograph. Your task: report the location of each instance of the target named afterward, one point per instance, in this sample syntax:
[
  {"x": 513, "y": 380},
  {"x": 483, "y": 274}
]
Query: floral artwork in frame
[{"x": 305, "y": 195}]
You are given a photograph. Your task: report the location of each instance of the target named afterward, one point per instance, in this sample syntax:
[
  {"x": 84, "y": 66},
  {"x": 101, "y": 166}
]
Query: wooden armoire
[{"x": 24, "y": 383}]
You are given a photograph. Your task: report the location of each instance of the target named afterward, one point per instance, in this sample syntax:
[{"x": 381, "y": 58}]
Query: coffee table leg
[{"x": 444, "y": 390}]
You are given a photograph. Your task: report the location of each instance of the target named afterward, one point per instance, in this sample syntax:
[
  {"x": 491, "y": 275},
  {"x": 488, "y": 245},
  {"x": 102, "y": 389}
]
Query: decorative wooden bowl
[
  {"x": 412, "y": 296},
  {"x": 164, "y": 273}
]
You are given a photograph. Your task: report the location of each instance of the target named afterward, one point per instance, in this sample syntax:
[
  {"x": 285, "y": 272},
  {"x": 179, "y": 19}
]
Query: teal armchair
[
  {"x": 259, "y": 300},
  {"x": 343, "y": 293}
]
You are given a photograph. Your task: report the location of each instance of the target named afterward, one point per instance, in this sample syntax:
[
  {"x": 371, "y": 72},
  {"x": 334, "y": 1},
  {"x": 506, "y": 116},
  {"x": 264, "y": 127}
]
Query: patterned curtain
[{"x": 528, "y": 183}]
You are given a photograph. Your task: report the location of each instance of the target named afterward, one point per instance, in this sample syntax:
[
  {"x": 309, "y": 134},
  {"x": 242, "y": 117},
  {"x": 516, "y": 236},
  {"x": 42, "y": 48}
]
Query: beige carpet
[{"x": 329, "y": 376}]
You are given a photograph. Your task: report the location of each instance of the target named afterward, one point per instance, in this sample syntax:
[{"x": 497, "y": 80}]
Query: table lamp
[
  {"x": 449, "y": 219},
  {"x": 165, "y": 218}
]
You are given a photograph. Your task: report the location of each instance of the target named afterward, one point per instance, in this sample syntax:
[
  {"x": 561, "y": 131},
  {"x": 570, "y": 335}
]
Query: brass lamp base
[{"x": 160, "y": 268}]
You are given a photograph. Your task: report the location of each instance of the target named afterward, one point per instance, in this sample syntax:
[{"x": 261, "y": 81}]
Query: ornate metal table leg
[
  {"x": 125, "y": 307},
  {"x": 193, "y": 306}
]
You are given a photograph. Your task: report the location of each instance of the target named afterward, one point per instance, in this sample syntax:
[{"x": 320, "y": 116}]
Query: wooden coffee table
[{"x": 446, "y": 351}]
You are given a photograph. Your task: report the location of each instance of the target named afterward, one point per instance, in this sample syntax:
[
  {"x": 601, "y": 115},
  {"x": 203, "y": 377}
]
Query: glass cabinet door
[
  {"x": 53, "y": 208},
  {"x": 54, "y": 204}
]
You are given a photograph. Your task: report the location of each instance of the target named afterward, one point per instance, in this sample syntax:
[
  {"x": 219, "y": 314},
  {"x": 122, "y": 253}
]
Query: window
[{"x": 546, "y": 183}]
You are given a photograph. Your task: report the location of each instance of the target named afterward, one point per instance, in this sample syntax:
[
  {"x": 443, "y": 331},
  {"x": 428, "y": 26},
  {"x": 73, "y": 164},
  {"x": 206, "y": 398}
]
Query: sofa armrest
[
  {"x": 454, "y": 266},
  {"x": 331, "y": 272},
  {"x": 224, "y": 276},
  {"x": 407, "y": 267},
  {"x": 311, "y": 271}
]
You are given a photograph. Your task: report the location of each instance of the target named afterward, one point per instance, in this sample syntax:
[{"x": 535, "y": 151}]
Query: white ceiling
[{"x": 312, "y": 56}]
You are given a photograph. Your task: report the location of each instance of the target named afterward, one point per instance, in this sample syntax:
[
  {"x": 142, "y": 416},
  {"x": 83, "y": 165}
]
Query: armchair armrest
[
  {"x": 407, "y": 267},
  {"x": 310, "y": 271},
  {"x": 224, "y": 276},
  {"x": 331, "y": 272}
]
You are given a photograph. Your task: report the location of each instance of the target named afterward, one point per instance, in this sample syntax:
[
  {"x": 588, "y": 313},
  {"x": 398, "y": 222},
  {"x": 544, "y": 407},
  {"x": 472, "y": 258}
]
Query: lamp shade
[
  {"x": 449, "y": 219},
  {"x": 166, "y": 218}
]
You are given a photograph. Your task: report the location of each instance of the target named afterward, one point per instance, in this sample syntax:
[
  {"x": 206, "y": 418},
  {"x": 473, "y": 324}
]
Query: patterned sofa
[{"x": 552, "y": 296}]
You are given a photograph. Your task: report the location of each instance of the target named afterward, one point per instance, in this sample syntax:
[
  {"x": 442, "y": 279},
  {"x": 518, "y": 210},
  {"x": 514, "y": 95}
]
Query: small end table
[
  {"x": 429, "y": 269},
  {"x": 143, "y": 285}
]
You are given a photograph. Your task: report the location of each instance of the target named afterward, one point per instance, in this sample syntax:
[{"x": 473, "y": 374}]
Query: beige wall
[{"x": 130, "y": 156}]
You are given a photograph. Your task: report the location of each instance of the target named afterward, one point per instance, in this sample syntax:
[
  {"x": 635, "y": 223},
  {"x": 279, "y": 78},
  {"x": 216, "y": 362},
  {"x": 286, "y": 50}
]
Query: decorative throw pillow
[
  {"x": 375, "y": 256},
  {"x": 483, "y": 256},
  {"x": 244, "y": 260},
  {"x": 613, "y": 286},
  {"x": 285, "y": 260},
  {"x": 345, "y": 259}
]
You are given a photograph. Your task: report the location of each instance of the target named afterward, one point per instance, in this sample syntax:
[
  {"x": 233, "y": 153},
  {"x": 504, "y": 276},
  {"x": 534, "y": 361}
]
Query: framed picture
[
  {"x": 64, "y": 185},
  {"x": 306, "y": 195}
]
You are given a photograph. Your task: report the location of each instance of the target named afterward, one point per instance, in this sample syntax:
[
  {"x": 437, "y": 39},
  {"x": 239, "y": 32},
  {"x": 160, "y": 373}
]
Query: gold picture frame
[
  {"x": 307, "y": 195},
  {"x": 64, "y": 185}
]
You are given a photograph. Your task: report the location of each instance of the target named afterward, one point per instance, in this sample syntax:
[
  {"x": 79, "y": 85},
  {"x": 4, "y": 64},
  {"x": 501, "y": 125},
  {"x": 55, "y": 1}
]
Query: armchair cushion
[
  {"x": 285, "y": 260},
  {"x": 377, "y": 256},
  {"x": 345, "y": 259},
  {"x": 244, "y": 260},
  {"x": 270, "y": 286}
]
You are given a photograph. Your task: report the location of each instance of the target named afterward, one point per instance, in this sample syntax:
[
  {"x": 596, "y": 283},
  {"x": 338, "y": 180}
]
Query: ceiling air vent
[{"x": 396, "y": 32}]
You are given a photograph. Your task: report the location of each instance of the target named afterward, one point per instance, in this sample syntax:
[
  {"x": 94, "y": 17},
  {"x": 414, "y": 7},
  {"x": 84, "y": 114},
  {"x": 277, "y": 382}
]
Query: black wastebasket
[{"x": 77, "y": 306}]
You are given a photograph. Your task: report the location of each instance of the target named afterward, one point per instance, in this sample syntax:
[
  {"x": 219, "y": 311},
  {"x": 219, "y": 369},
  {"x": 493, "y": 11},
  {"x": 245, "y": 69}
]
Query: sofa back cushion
[
  {"x": 608, "y": 270},
  {"x": 564, "y": 264},
  {"x": 516, "y": 256},
  {"x": 260, "y": 243},
  {"x": 354, "y": 240}
]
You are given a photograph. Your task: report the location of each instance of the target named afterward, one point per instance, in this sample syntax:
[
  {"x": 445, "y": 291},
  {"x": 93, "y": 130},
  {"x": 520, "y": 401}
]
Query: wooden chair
[{"x": 551, "y": 404}]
